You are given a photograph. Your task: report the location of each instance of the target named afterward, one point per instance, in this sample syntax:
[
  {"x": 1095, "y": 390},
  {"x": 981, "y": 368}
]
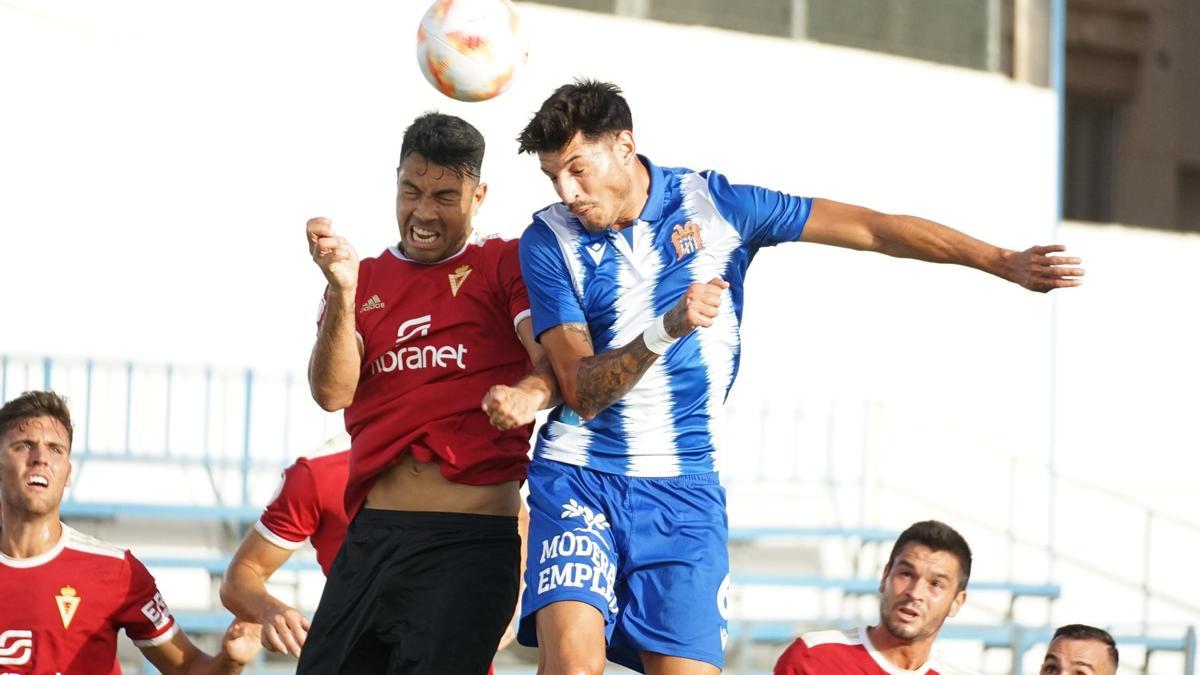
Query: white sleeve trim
[
  {"x": 279, "y": 541},
  {"x": 156, "y": 641},
  {"x": 521, "y": 317}
]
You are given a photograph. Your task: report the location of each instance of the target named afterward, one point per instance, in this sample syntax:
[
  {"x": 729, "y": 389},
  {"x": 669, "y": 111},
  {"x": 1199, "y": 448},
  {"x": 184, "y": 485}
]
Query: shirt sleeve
[
  {"x": 764, "y": 217},
  {"x": 508, "y": 268},
  {"x": 552, "y": 296},
  {"x": 144, "y": 614},
  {"x": 795, "y": 660},
  {"x": 295, "y": 513}
]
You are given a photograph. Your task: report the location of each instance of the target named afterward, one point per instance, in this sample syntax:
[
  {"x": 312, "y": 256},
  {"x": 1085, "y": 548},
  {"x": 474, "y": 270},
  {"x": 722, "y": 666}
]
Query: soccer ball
[{"x": 471, "y": 49}]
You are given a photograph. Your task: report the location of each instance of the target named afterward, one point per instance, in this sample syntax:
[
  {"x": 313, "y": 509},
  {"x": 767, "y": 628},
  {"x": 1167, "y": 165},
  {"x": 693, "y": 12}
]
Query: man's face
[
  {"x": 1077, "y": 657},
  {"x": 434, "y": 207},
  {"x": 594, "y": 178},
  {"x": 35, "y": 465},
  {"x": 919, "y": 591}
]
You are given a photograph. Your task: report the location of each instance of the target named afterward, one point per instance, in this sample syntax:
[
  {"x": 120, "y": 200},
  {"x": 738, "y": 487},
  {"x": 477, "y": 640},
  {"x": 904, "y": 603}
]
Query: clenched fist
[
  {"x": 509, "y": 407},
  {"x": 333, "y": 254},
  {"x": 696, "y": 309}
]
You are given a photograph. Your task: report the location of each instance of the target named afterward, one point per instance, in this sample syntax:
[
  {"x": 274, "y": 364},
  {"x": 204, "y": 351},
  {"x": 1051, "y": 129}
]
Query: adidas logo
[{"x": 373, "y": 303}]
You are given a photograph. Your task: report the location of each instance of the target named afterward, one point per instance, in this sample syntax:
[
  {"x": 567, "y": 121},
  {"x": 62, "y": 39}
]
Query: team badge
[
  {"x": 68, "y": 602},
  {"x": 686, "y": 239},
  {"x": 457, "y": 279}
]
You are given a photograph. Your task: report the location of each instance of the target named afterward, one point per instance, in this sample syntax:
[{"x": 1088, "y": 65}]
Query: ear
[
  {"x": 959, "y": 600},
  {"x": 70, "y": 467},
  {"x": 625, "y": 147},
  {"x": 477, "y": 198}
]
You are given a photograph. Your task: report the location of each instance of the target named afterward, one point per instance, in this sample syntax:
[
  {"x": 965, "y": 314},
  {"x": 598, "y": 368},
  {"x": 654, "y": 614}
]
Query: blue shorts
[{"x": 651, "y": 554}]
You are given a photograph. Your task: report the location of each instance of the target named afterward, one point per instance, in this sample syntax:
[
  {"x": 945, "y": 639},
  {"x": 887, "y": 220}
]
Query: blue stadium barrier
[{"x": 869, "y": 586}]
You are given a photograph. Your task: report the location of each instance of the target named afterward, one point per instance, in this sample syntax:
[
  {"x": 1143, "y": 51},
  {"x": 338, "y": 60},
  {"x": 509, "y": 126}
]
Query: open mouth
[
  {"x": 38, "y": 481},
  {"x": 908, "y": 614},
  {"x": 421, "y": 235}
]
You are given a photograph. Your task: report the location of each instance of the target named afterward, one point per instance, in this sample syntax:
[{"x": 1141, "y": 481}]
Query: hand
[
  {"x": 510, "y": 633},
  {"x": 509, "y": 407},
  {"x": 241, "y": 642},
  {"x": 1038, "y": 271},
  {"x": 333, "y": 254},
  {"x": 696, "y": 309},
  {"x": 284, "y": 630}
]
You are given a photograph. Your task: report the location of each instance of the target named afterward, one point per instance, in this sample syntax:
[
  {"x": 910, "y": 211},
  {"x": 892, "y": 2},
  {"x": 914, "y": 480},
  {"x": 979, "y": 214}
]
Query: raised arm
[
  {"x": 863, "y": 229},
  {"x": 591, "y": 382},
  {"x": 336, "y": 357},
  {"x": 244, "y": 592}
]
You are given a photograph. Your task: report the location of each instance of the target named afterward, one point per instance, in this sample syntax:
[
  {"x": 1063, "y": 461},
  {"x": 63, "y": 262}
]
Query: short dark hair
[
  {"x": 1079, "y": 631},
  {"x": 590, "y": 107},
  {"x": 447, "y": 141},
  {"x": 36, "y": 404},
  {"x": 937, "y": 536}
]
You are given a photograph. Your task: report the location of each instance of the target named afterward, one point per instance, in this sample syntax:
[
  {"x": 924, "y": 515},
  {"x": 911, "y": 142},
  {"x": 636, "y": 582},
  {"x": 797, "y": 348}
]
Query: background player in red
[
  {"x": 310, "y": 505},
  {"x": 65, "y": 594},
  {"x": 924, "y": 582},
  {"x": 409, "y": 344}
]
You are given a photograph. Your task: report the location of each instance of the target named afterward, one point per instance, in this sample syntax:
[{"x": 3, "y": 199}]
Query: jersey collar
[
  {"x": 655, "y": 196},
  {"x": 41, "y": 558}
]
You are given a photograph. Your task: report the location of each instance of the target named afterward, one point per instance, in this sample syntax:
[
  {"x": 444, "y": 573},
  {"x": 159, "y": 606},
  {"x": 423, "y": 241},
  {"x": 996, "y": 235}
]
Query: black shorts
[{"x": 416, "y": 593}]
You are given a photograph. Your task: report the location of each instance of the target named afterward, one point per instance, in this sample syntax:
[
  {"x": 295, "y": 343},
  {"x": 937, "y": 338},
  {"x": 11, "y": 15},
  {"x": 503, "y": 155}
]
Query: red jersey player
[
  {"x": 924, "y": 582},
  {"x": 310, "y": 505},
  {"x": 66, "y": 594},
  {"x": 409, "y": 343}
]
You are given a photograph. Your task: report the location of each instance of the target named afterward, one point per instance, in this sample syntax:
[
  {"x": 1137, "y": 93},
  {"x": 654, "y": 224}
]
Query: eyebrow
[
  {"x": 566, "y": 162},
  {"x": 406, "y": 183}
]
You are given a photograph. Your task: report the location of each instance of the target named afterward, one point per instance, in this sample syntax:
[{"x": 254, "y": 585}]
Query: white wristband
[{"x": 656, "y": 338}]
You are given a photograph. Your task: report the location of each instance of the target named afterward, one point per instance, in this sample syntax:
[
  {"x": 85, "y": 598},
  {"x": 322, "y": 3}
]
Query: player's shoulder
[
  {"x": 491, "y": 246},
  {"x": 851, "y": 637},
  {"x": 940, "y": 665},
  {"x": 76, "y": 541},
  {"x": 327, "y": 461},
  {"x": 555, "y": 218}
]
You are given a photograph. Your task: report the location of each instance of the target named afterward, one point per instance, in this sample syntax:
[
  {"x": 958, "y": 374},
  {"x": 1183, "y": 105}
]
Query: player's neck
[
  {"x": 639, "y": 193},
  {"x": 900, "y": 653},
  {"x": 25, "y": 535}
]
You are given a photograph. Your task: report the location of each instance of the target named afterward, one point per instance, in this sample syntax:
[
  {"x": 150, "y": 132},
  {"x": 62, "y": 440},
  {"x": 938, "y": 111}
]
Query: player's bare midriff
[{"x": 410, "y": 485}]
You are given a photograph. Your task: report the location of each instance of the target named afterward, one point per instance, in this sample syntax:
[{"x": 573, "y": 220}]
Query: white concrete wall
[{"x": 157, "y": 165}]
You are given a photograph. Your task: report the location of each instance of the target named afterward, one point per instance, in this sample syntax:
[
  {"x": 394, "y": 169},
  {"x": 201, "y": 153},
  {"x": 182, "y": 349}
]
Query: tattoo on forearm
[
  {"x": 581, "y": 329},
  {"x": 604, "y": 378}
]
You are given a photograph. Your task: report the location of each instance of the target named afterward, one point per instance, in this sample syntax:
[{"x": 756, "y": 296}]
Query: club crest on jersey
[
  {"x": 68, "y": 602},
  {"x": 458, "y": 278},
  {"x": 686, "y": 239}
]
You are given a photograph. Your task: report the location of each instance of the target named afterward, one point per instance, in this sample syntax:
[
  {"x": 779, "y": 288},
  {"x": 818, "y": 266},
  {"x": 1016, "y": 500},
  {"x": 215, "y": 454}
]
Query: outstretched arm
[
  {"x": 863, "y": 229},
  {"x": 244, "y": 592},
  {"x": 178, "y": 656},
  {"x": 591, "y": 382},
  {"x": 334, "y": 365}
]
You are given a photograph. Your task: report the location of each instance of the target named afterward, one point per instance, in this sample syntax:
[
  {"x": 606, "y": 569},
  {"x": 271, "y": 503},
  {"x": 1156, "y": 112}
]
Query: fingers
[
  {"x": 719, "y": 283},
  {"x": 1052, "y": 248},
  {"x": 317, "y": 228},
  {"x": 271, "y": 641}
]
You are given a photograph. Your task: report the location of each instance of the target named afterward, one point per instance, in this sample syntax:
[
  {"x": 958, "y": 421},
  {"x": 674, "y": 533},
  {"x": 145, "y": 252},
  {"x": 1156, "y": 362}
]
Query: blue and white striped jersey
[{"x": 695, "y": 226}]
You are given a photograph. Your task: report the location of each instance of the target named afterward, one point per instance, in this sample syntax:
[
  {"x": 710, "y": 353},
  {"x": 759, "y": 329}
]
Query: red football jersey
[
  {"x": 850, "y": 652},
  {"x": 62, "y": 609},
  {"x": 436, "y": 337},
  {"x": 310, "y": 505}
]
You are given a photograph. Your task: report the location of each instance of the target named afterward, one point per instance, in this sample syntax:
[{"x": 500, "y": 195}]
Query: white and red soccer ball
[{"x": 471, "y": 49}]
